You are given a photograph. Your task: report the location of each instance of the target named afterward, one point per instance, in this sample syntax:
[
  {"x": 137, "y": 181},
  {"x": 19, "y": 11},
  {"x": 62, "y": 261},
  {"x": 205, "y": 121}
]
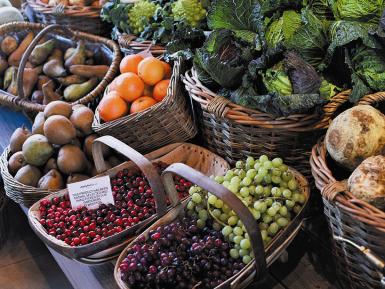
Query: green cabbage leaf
[{"x": 358, "y": 10}]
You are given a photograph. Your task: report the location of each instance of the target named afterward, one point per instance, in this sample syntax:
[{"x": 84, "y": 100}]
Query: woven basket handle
[
  {"x": 143, "y": 163},
  {"x": 29, "y": 50},
  {"x": 372, "y": 99},
  {"x": 225, "y": 195}
]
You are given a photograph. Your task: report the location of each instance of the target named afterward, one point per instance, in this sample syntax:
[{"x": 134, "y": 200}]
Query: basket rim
[
  {"x": 26, "y": 104},
  {"x": 127, "y": 40},
  {"x": 335, "y": 191},
  {"x": 69, "y": 10},
  {"x": 223, "y": 108}
]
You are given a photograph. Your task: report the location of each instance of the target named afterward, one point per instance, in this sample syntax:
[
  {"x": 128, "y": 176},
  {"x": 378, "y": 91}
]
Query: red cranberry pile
[
  {"x": 179, "y": 255},
  {"x": 134, "y": 203}
]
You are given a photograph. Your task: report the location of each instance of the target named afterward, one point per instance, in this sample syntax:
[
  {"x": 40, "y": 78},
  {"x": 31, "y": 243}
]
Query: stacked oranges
[{"x": 142, "y": 83}]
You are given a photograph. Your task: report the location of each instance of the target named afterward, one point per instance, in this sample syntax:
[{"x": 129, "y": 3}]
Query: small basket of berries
[
  {"x": 223, "y": 236},
  {"x": 97, "y": 235}
]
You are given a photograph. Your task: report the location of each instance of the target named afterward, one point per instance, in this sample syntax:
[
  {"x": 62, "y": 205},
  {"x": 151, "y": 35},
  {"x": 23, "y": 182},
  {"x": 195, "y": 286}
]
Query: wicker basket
[
  {"x": 86, "y": 19},
  {"x": 203, "y": 160},
  {"x": 166, "y": 122},
  {"x": 107, "y": 49},
  {"x": 255, "y": 270},
  {"x": 233, "y": 131},
  {"x": 130, "y": 45}
]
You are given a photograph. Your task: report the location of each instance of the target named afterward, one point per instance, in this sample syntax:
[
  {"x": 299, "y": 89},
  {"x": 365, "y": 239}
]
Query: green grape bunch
[
  {"x": 140, "y": 14},
  {"x": 191, "y": 11},
  {"x": 266, "y": 187}
]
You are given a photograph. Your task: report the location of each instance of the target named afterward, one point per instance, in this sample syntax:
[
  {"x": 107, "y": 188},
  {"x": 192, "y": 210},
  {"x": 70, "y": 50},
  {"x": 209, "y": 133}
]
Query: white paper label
[{"x": 91, "y": 193}]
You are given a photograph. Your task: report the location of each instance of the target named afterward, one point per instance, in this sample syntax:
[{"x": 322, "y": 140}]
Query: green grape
[
  {"x": 296, "y": 197},
  {"x": 276, "y": 172},
  {"x": 226, "y": 231},
  {"x": 259, "y": 190},
  {"x": 245, "y": 244},
  {"x": 290, "y": 204},
  {"x": 244, "y": 192},
  {"x": 292, "y": 184},
  {"x": 226, "y": 209},
  {"x": 286, "y": 193},
  {"x": 218, "y": 203},
  {"x": 233, "y": 188},
  {"x": 269, "y": 202},
  {"x": 238, "y": 239},
  {"x": 246, "y": 181},
  {"x": 235, "y": 180},
  {"x": 250, "y": 161},
  {"x": 263, "y": 234},
  {"x": 256, "y": 214},
  {"x": 276, "y": 205},
  {"x": 236, "y": 172},
  {"x": 262, "y": 171},
  {"x": 251, "y": 173},
  {"x": 211, "y": 199},
  {"x": 232, "y": 221},
  {"x": 257, "y": 165},
  {"x": 287, "y": 176},
  {"x": 231, "y": 237},
  {"x": 258, "y": 179},
  {"x": 223, "y": 218},
  {"x": 263, "y": 226},
  {"x": 190, "y": 205},
  {"x": 268, "y": 240},
  {"x": 276, "y": 179},
  {"x": 247, "y": 236},
  {"x": 217, "y": 226},
  {"x": 246, "y": 259},
  {"x": 193, "y": 190},
  {"x": 243, "y": 252},
  {"x": 239, "y": 164},
  {"x": 267, "y": 219},
  {"x": 239, "y": 223},
  {"x": 271, "y": 211},
  {"x": 301, "y": 199},
  {"x": 282, "y": 222},
  {"x": 266, "y": 191},
  {"x": 283, "y": 211},
  {"x": 196, "y": 198},
  {"x": 232, "y": 213},
  {"x": 267, "y": 179},
  {"x": 276, "y": 192},
  {"x": 234, "y": 253},
  {"x": 267, "y": 165},
  {"x": 277, "y": 162},
  {"x": 201, "y": 223},
  {"x": 273, "y": 229},
  {"x": 263, "y": 158},
  {"x": 247, "y": 201},
  {"x": 283, "y": 168},
  {"x": 219, "y": 179},
  {"x": 229, "y": 175},
  {"x": 283, "y": 185},
  {"x": 238, "y": 231},
  {"x": 277, "y": 216},
  {"x": 216, "y": 213},
  {"x": 236, "y": 246},
  {"x": 198, "y": 208},
  {"x": 242, "y": 174},
  {"x": 226, "y": 184},
  {"x": 202, "y": 214},
  {"x": 252, "y": 189},
  {"x": 190, "y": 10},
  {"x": 260, "y": 206}
]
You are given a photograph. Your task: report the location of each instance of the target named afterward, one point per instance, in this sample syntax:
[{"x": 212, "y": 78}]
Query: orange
[
  {"x": 130, "y": 63},
  {"x": 142, "y": 103},
  {"x": 167, "y": 70},
  {"x": 112, "y": 107},
  {"x": 160, "y": 89},
  {"x": 148, "y": 90},
  {"x": 151, "y": 70},
  {"x": 129, "y": 86}
]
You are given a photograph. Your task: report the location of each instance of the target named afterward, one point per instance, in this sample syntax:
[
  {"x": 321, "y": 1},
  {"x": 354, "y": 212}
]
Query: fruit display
[
  {"x": 74, "y": 3},
  {"x": 134, "y": 203},
  {"x": 53, "y": 71},
  {"x": 57, "y": 151},
  {"x": 143, "y": 82}
]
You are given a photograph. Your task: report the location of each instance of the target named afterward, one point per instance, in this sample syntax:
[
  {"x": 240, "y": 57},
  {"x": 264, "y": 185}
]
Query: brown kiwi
[
  {"x": 28, "y": 175},
  {"x": 38, "y": 124},
  {"x": 52, "y": 180},
  {"x": 59, "y": 130},
  {"x": 16, "y": 162},
  {"x": 58, "y": 107},
  {"x": 71, "y": 159},
  {"x": 18, "y": 138}
]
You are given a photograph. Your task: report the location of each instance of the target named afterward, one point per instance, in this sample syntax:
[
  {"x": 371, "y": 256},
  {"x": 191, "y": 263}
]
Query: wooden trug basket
[
  {"x": 256, "y": 270},
  {"x": 168, "y": 121},
  {"x": 233, "y": 131},
  {"x": 107, "y": 249}
]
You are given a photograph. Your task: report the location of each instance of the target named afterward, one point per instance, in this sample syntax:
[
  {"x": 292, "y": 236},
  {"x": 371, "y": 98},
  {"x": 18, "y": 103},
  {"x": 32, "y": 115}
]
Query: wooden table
[{"x": 309, "y": 262}]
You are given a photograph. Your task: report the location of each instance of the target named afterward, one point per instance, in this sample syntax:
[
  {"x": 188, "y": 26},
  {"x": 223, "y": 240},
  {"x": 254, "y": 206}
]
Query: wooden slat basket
[
  {"x": 256, "y": 270},
  {"x": 86, "y": 19},
  {"x": 107, "y": 249},
  {"x": 358, "y": 228},
  {"x": 107, "y": 50},
  {"x": 166, "y": 122},
  {"x": 234, "y": 131}
]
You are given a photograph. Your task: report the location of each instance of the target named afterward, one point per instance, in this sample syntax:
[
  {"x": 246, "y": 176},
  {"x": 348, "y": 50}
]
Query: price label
[{"x": 91, "y": 193}]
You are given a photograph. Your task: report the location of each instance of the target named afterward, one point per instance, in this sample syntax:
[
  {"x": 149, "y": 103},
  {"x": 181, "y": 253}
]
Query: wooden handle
[
  {"x": 143, "y": 163},
  {"x": 229, "y": 198},
  {"x": 29, "y": 50}
]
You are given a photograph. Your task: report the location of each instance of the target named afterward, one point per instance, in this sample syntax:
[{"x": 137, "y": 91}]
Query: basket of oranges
[{"x": 145, "y": 106}]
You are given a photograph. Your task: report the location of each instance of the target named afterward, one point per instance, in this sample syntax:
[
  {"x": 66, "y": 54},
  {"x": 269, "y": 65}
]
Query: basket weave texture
[
  {"x": 86, "y": 19},
  {"x": 233, "y": 131},
  {"x": 166, "y": 122},
  {"x": 108, "y": 48},
  {"x": 130, "y": 45}
]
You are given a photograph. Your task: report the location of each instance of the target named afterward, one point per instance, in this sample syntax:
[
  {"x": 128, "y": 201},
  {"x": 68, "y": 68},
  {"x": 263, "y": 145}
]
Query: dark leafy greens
[{"x": 358, "y": 10}]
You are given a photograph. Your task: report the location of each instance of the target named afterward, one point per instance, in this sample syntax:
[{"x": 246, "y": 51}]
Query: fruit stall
[{"x": 193, "y": 143}]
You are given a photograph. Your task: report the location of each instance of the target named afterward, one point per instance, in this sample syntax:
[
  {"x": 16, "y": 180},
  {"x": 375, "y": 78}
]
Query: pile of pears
[
  {"x": 51, "y": 73},
  {"x": 58, "y": 151}
]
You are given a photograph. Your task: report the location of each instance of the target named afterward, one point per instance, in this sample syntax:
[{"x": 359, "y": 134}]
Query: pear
[
  {"x": 12, "y": 88},
  {"x": 58, "y": 107},
  {"x": 71, "y": 79},
  {"x": 16, "y": 162},
  {"x": 37, "y": 97},
  {"x": 37, "y": 150},
  {"x": 49, "y": 94},
  {"x": 8, "y": 75},
  {"x": 18, "y": 138},
  {"x": 82, "y": 119},
  {"x": 78, "y": 56},
  {"x": 53, "y": 180},
  {"x": 76, "y": 91},
  {"x": 41, "y": 52},
  {"x": 59, "y": 130},
  {"x": 71, "y": 159},
  {"x": 54, "y": 66},
  {"x": 28, "y": 175},
  {"x": 38, "y": 124}
]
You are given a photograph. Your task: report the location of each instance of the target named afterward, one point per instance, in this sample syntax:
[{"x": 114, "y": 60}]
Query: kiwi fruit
[
  {"x": 38, "y": 124},
  {"x": 18, "y": 138},
  {"x": 76, "y": 178},
  {"x": 87, "y": 146},
  {"x": 37, "y": 150},
  {"x": 82, "y": 119},
  {"x": 58, "y": 107},
  {"x": 16, "y": 162},
  {"x": 28, "y": 175},
  {"x": 59, "y": 130},
  {"x": 52, "y": 180},
  {"x": 50, "y": 165},
  {"x": 71, "y": 160}
]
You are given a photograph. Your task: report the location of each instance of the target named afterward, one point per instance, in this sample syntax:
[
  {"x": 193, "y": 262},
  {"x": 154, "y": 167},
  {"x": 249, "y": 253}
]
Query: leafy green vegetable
[
  {"x": 223, "y": 59},
  {"x": 277, "y": 81},
  {"x": 309, "y": 41},
  {"x": 283, "y": 28},
  {"x": 269, "y": 7},
  {"x": 358, "y": 10},
  {"x": 328, "y": 90},
  {"x": 321, "y": 9},
  {"x": 303, "y": 77}
]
